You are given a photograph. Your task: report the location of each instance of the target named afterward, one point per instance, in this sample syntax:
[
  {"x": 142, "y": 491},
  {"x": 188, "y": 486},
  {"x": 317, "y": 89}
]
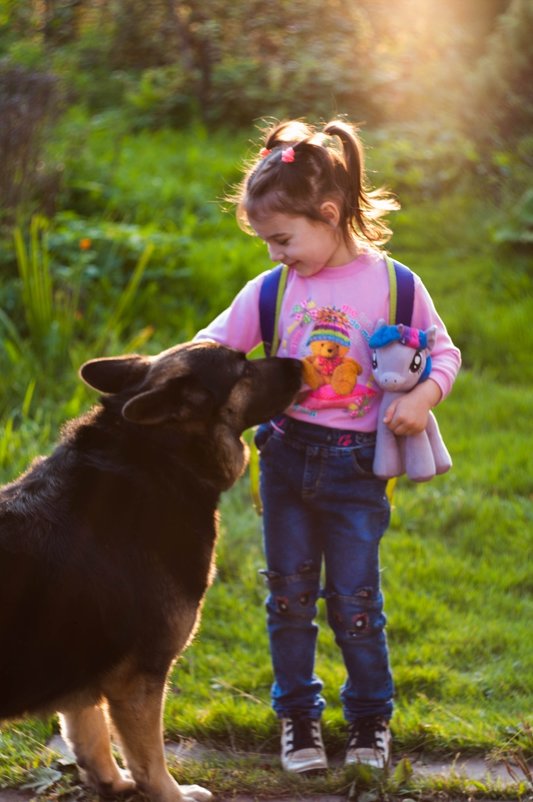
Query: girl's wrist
[{"x": 429, "y": 392}]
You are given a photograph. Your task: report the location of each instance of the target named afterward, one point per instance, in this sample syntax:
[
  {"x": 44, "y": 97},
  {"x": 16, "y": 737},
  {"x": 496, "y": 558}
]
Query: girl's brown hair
[{"x": 321, "y": 170}]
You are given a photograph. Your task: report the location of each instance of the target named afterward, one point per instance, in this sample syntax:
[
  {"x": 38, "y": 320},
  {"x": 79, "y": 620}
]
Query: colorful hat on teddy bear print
[{"x": 333, "y": 325}]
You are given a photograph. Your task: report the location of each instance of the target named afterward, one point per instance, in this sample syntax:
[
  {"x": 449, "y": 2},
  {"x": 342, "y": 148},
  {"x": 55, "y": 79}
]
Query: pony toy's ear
[
  {"x": 379, "y": 325},
  {"x": 431, "y": 337}
]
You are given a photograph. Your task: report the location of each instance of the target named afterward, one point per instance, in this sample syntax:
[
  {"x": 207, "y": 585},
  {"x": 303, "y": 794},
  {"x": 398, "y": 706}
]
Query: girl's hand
[{"x": 408, "y": 414}]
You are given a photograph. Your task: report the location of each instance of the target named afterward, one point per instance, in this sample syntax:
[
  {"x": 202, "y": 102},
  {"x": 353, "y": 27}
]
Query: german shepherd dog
[{"x": 106, "y": 550}]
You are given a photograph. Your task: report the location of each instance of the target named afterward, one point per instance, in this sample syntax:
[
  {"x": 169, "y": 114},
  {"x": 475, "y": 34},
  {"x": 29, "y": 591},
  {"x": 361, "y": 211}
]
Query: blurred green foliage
[
  {"x": 169, "y": 61},
  {"x": 451, "y": 81}
]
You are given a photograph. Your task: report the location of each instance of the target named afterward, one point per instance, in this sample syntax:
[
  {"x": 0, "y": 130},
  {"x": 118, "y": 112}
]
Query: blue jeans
[{"x": 322, "y": 504}]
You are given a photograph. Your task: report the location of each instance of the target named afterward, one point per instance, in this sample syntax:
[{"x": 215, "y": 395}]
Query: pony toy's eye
[
  {"x": 374, "y": 360},
  {"x": 416, "y": 363}
]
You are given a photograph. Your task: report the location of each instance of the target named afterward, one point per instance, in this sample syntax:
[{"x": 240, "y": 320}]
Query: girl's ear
[{"x": 330, "y": 212}]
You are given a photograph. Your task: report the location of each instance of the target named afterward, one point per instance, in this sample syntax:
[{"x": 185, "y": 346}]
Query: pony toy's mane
[{"x": 406, "y": 335}]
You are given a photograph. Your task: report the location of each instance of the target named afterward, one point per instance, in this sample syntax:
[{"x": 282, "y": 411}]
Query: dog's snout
[
  {"x": 275, "y": 385},
  {"x": 294, "y": 369},
  {"x": 290, "y": 373}
]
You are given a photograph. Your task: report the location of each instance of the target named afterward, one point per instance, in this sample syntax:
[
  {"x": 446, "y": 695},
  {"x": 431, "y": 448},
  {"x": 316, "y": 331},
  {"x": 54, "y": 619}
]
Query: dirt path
[{"x": 475, "y": 769}]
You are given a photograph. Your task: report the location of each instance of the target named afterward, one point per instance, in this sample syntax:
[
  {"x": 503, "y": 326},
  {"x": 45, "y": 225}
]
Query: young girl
[{"x": 306, "y": 197}]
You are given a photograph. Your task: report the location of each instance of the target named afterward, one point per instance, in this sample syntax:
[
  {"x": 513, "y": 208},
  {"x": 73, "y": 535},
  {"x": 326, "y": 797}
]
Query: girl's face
[{"x": 302, "y": 244}]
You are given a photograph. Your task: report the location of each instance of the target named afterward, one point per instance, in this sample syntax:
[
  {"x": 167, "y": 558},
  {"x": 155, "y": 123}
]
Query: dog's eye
[{"x": 415, "y": 365}]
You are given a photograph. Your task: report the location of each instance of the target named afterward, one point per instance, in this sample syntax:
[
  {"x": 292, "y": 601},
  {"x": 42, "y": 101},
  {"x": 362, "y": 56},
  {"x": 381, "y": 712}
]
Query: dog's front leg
[
  {"x": 137, "y": 715},
  {"x": 85, "y": 730}
]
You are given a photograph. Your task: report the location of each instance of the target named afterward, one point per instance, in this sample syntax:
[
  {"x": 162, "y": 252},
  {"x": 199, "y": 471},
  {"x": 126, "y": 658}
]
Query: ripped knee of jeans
[
  {"x": 357, "y": 616},
  {"x": 293, "y": 596}
]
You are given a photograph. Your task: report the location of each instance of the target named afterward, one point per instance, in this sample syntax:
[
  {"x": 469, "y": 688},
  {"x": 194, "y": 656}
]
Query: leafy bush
[
  {"x": 29, "y": 102},
  {"x": 160, "y": 96},
  {"x": 498, "y": 107},
  {"x": 425, "y": 159},
  {"x": 518, "y": 228},
  {"x": 61, "y": 305}
]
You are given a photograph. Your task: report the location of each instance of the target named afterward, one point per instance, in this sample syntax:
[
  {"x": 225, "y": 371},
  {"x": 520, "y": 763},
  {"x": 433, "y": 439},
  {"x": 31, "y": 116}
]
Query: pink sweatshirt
[{"x": 329, "y": 319}]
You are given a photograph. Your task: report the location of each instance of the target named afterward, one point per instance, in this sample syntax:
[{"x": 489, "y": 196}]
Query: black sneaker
[
  {"x": 302, "y": 748},
  {"x": 369, "y": 742}
]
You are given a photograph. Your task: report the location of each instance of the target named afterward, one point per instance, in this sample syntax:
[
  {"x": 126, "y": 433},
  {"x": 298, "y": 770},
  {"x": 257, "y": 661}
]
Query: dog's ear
[
  {"x": 114, "y": 374},
  {"x": 181, "y": 399}
]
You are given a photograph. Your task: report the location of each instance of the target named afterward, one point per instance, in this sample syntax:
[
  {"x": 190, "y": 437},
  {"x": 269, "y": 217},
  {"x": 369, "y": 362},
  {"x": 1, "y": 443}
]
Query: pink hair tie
[
  {"x": 287, "y": 155},
  {"x": 264, "y": 152}
]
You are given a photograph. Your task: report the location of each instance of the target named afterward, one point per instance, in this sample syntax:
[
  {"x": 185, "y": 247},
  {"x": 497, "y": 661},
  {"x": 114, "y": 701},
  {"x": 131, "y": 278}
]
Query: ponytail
[
  {"x": 286, "y": 133},
  {"x": 299, "y": 168},
  {"x": 364, "y": 207}
]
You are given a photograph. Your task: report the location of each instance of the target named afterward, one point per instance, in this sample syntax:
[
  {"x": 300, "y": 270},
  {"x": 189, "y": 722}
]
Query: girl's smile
[{"x": 302, "y": 244}]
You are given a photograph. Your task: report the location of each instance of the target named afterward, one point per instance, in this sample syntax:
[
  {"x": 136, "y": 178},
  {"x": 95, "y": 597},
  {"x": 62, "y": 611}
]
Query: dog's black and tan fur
[{"x": 106, "y": 549}]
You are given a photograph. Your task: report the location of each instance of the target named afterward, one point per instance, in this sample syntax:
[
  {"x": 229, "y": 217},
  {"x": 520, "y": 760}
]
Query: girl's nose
[{"x": 275, "y": 253}]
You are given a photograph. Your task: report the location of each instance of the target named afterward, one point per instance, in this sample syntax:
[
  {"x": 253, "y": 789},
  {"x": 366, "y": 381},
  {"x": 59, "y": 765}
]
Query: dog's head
[{"x": 201, "y": 388}]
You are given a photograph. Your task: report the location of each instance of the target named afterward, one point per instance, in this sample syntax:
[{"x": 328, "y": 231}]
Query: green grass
[{"x": 456, "y": 570}]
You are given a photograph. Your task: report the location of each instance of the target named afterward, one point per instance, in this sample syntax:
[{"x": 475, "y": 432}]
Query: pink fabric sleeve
[
  {"x": 238, "y": 325},
  {"x": 445, "y": 356}
]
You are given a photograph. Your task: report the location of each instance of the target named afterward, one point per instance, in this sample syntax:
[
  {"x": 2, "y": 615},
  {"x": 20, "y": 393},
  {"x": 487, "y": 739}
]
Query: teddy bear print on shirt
[
  {"x": 329, "y": 343},
  {"x": 329, "y": 372}
]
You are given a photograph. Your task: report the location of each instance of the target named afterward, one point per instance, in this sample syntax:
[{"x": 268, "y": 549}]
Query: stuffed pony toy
[{"x": 400, "y": 360}]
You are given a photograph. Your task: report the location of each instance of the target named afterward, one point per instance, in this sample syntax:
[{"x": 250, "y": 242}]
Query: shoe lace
[
  {"x": 305, "y": 734},
  {"x": 366, "y": 733}
]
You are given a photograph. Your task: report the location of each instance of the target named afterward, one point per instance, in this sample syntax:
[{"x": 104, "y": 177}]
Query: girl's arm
[
  {"x": 408, "y": 414},
  {"x": 238, "y": 325},
  {"x": 445, "y": 356}
]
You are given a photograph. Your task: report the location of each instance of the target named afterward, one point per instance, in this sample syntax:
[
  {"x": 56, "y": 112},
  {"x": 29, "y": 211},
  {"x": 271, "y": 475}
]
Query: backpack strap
[
  {"x": 401, "y": 301},
  {"x": 401, "y": 292},
  {"x": 270, "y": 299}
]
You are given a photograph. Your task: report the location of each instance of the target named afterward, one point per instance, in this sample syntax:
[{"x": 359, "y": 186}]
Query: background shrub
[{"x": 29, "y": 103}]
